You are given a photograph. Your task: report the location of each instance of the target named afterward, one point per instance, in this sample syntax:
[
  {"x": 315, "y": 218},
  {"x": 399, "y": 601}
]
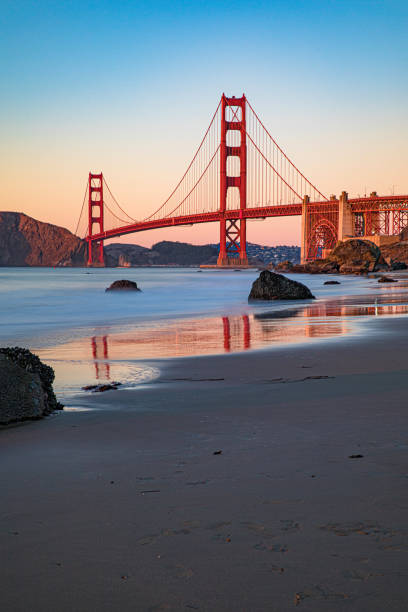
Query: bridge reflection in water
[
  {"x": 233, "y": 333},
  {"x": 203, "y": 336},
  {"x": 228, "y": 334},
  {"x": 100, "y": 357}
]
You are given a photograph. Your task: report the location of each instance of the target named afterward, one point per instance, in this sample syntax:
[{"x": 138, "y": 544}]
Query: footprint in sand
[
  {"x": 197, "y": 482},
  {"x": 274, "y": 548},
  {"x": 184, "y": 572},
  {"x": 259, "y": 528},
  {"x": 318, "y": 592},
  {"x": 192, "y": 524},
  {"x": 165, "y": 533},
  {"x": 369, "y": 528},
  {"x": 219, "y": 525},
  {"x": 147, "y": 540},
  {"x": 289, "y": 525},
  {"x": 180, "y": 571},
  {"x": 357, "y": 575}
]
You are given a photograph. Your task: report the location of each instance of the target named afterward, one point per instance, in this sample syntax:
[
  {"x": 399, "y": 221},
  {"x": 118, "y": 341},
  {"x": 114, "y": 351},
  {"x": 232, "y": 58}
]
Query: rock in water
[
  {"x": 331, "y": 283},
  {"x": 271, "y": 286},
  {"x": 25, "y": 386},
  {"x": 123, "y": 285},
  {"x": 387, "y": 279}
]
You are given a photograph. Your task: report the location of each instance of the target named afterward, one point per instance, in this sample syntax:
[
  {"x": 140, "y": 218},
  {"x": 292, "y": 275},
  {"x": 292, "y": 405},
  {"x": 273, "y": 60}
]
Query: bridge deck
[{"x": 382, "y": 203}]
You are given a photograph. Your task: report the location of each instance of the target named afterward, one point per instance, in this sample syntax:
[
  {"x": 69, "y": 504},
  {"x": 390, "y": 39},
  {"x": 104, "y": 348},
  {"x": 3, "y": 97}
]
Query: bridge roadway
[
  {"x": 245, "y": 213},
  {"x": 380, "y": 203}
]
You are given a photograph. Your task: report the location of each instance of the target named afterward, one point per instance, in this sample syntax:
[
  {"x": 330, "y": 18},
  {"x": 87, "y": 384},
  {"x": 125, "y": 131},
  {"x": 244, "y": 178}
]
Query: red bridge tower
[
  {"x": 233, "y": 231},
  {"x": 95, "y": 216}
]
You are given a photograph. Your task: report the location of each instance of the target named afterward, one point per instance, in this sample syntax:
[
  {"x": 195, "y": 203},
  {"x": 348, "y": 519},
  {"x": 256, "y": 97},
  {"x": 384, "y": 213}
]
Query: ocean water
[{"x": 87, "y": 335}]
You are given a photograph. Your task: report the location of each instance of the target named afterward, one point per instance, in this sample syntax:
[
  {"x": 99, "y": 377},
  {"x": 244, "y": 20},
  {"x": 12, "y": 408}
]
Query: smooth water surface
[{"x": 87, "y": 335}]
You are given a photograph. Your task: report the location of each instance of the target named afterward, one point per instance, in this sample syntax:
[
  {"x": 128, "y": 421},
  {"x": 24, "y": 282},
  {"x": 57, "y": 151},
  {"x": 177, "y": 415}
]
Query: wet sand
[{"x": 127, "y": 507}]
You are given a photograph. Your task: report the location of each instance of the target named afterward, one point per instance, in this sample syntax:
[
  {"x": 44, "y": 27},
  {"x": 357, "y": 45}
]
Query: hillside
[
  {"x": 185, "y": 254},
  {"x": 24, "y": 241},
  {"x": 163, "y": 253}
]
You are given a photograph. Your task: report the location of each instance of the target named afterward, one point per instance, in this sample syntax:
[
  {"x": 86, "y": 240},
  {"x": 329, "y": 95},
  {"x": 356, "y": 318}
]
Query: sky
[{"x": 129, "y": 87}]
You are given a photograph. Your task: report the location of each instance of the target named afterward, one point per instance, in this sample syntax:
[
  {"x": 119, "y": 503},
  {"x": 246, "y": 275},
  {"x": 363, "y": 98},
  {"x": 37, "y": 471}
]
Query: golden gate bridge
[{"x": 238, "y": 173}]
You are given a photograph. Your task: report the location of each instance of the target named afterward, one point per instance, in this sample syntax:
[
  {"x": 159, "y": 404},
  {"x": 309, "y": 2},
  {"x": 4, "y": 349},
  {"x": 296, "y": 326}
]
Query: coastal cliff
[{"x": 24, "y": 241}]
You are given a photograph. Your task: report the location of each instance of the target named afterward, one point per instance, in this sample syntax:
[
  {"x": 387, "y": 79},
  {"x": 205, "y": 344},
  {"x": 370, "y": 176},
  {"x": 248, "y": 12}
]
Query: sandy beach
[{"x": 129, "y": 505}]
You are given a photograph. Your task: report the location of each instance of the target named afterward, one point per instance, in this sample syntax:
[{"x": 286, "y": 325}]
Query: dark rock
[
  {"x": 349, "y": 257},
  {"x": 395, "y": 265},
  {"x": 356, "y": 270},
  {"x": 123, "y": 285},
  {"x": 387, "y": 279},
  {"x": 354, "y": 257},
  {"x": 101, "y": 388},
  {"x": 396, "y": 254},
  {"x": 357, "y": 257},
  {"x": 319, "y": 266},
  {"x": 284, "y": 266},
  {"x": 398, "y": 265},
  {"x": 271, "y": 286},
  {"x": 25, "y": 386},
  {"x": 331, "y": 283}
]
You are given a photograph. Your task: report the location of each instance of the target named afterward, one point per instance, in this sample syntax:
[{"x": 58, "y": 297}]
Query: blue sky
[{"x": 129, "y": 88}]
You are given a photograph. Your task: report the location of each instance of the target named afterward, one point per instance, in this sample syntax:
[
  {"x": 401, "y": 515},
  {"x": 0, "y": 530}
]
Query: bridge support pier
[
  {"x": 232, "y": 243},
  {"x": 303, "y": 239},
  {"x": 346, "y": 229},
  {"x": 96, "y": 255}
]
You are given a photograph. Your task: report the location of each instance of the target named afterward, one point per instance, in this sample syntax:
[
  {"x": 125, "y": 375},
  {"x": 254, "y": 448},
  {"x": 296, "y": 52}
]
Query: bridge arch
[{"x": 322, "y": 236}]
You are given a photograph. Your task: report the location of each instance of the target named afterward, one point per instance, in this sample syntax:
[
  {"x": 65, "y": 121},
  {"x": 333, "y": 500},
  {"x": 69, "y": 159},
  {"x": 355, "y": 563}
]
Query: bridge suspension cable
[
  {"x": 296, "y": 172},
  {"x": 117, "y": 203},
  {"x": 192, "y": 176},
  {"x": 272, "y": 179},
  {"x": 81, "y": 213}
]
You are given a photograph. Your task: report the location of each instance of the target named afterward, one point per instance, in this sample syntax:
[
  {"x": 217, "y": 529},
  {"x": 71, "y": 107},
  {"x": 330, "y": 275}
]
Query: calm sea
[{"x": 87, "y": 335}]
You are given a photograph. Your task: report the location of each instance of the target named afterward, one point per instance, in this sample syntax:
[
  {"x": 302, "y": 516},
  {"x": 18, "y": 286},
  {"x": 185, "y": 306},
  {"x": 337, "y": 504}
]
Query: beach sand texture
[{"x": 130, "y": 506}]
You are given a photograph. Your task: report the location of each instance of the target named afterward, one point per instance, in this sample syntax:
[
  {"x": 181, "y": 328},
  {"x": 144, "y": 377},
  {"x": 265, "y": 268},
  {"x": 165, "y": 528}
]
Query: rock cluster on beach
[
  {"x": 123, "y": 285},
  {"x": 349, "y": 257},
  {"x": 271, "y": 286},
  {"x": 25, "y": 386}
]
